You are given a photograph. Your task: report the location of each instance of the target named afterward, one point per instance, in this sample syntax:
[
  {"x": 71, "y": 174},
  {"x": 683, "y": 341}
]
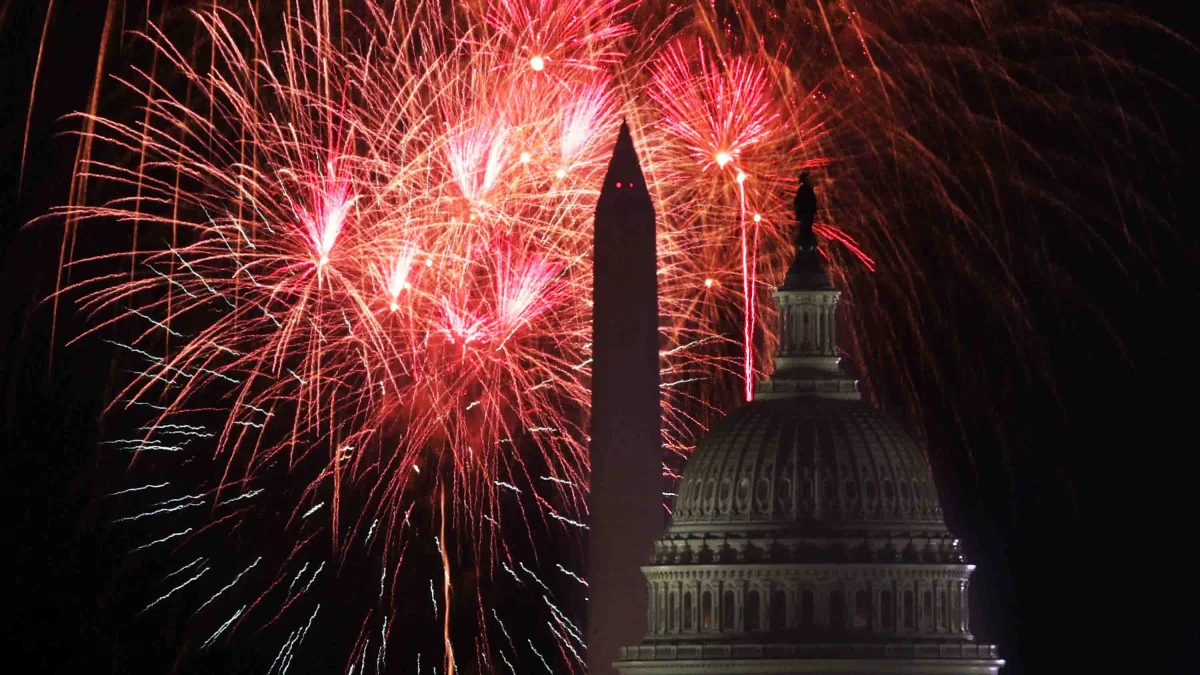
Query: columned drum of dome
[{"x": 807, "y": 535}]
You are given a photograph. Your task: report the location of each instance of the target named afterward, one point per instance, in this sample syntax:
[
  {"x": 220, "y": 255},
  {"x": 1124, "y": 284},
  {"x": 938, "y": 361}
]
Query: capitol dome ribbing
[
  {"x": 807, "y": 535},
  {"x": 824, "y": 469}
]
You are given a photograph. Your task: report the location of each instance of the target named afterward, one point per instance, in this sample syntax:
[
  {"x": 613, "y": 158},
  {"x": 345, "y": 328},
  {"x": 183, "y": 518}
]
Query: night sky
[{"x": 1081, "y": 515}]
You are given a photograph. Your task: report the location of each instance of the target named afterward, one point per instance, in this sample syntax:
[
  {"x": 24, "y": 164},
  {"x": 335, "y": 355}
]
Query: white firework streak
[
  {"x": 172, "y": 591},
  {"x": 225, "y": 625},
  {"x": 540, "y": 657},
  {"x": 228, "y": 586},
  {"x": 159, "y": 541},
  {"x": 535, "y": 578},
  {"x": 152, "y": 486},
  {"x": 571, "y": 574}
]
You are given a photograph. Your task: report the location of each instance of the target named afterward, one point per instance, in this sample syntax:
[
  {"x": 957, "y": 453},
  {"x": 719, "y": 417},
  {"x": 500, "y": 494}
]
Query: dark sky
[{"x": 1087, "y": 544}]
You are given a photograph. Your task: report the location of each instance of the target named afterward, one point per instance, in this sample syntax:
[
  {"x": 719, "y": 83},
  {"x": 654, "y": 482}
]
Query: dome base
[
  {"x": 894, "y": 658},
  {"x": 822, "y": 666}
]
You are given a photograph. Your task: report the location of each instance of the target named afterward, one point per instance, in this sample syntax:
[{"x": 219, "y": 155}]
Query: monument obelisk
[{"x": 625, "y": 499}]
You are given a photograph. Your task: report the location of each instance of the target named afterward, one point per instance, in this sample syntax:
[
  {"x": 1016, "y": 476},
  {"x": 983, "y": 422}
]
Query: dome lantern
[{"x": 806, "y": 360}]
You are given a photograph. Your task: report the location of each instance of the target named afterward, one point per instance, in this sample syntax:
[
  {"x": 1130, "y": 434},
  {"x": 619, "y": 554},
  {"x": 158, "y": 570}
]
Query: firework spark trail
[
  {"x": 169, "y": 537},
  {"x": 564, "y": 642},
  {"x": 213, "y": 638},
  {"x": 534, "y": 576},
  {"x": 749, "y": 287},
  {"x": 540, "y": 657},
  {"x": 185, "y": 567},
  {"x": 446, "y": 584},
  {"x": 139, "y": 489},
  {"x": 229, "y": 585},
  {"x": 511, "y": 669},
  {"x": 565, "y": 622},
  {"x": 571, "y": 574},
  {"x": 168, "y": 509},
  {"x": 177, "y": 588},
  {"x": 373, "y": 250}
]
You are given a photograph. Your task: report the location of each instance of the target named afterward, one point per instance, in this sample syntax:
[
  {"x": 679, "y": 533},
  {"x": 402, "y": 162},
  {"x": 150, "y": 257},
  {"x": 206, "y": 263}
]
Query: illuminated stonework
[
  {"x": 783, "y": 467},
  {"x": 807, "y": 535}
]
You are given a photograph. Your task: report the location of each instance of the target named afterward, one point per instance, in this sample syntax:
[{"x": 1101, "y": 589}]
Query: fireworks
[
  {"x": 369, "y": 285},
  {"x": 381, "y": 253},
  {"x": 719, "y": 107},
  {"x": 563, "y": 36}
]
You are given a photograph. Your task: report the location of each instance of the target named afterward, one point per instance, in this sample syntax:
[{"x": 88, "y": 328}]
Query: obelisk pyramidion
[{"x": 625, "y": 500}]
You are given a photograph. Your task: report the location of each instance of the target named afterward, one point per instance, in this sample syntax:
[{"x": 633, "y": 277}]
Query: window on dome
[
  {"x": 673, "y": 612},
  {"x": 945, "y": 609},
  {"x": 688, "y": 622},
  {"x": 837, "y": 610},
  {"x": 910, "y": 620},
  {"x": 727, "y": 609},
  {"x": 862, "y": 608},
  {"x": 763, "y": 492},
  {"x": 960, "y": 614},
  {"x": 927, "y": 611},
  {"x": 779, "y": 611},
  {"x": 660, "y": 610},
  {"x": 753, "y": 619},
  {"x": 706, "y": 610},
  {"x": 887, "y": 610},
  {"x": 806, "y": 607}
]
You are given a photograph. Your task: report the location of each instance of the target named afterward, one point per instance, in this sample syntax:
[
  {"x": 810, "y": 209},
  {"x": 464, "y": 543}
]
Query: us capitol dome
[{"x": 807, "y": 535}]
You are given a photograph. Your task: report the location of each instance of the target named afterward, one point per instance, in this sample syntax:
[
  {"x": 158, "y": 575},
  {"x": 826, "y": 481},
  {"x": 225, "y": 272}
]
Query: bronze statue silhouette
[
  {"x": 805, "y": 204},
  {"x": 808, "y": 267}
]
